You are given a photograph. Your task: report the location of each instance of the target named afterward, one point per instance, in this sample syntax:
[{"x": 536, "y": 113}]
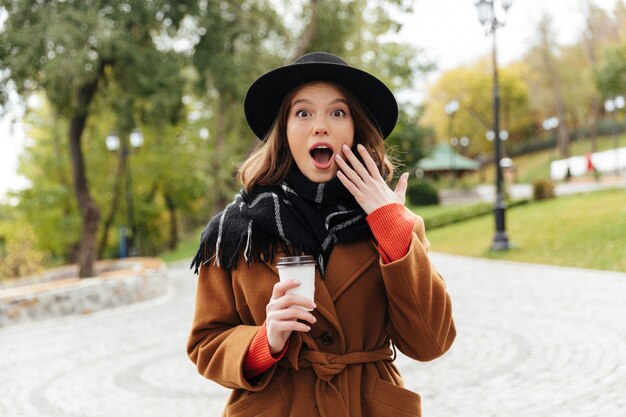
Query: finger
[
  {"x": 343, "y": 165},
  {"x": 287, "y": 326},
  {"x": 292, "y": 314},
  {"x": 369, "y": 161},
  {"x": 356, "y": 164},
  {"x": 349, "y": 172},
  {"x": 354, "y": 190},
  {"x": 281, "y": 287},
  {"x": 402, "y": 186},
  {"x": 288, "y": 300}
]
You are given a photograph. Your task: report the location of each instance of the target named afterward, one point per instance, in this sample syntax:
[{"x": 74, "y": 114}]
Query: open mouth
[{"x": 322, "y": 155}]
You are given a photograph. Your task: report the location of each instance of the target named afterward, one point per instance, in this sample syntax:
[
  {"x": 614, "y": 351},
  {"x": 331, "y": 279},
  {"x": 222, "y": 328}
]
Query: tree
[
  {"x": 599, "y": 28},
  {"x": 237, "y": 43},
  {"x": 610, "y": 75},
  {"x": 471, "y": 86},
  {"x": 406, "y": 142},
  {"x": 546, "y": 47},
  {"x": 45, "y": 44}
]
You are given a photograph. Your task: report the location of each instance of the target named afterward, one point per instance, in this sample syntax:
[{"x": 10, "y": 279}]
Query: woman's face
[{"x": 319, "y": 123}]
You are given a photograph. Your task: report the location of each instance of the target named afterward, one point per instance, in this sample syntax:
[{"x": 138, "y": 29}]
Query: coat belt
[{"x": 326, "y": 366}]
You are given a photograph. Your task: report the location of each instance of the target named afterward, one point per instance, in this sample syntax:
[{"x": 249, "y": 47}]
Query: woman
[{"x": 317, "y": 186}]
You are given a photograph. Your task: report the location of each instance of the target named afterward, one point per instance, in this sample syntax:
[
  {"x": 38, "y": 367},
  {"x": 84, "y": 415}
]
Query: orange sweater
[{"x": 392, "y": 228}]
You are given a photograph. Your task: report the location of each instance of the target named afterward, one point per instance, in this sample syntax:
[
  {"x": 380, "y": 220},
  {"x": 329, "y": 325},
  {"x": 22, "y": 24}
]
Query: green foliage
[
  {"x": 611, "y": 76},
  {"x": 179, "y": 175},
  {"x": 406, "y": 142},
  {"x": 422, "y": 193},
  {"x": 471, "y": 86},
  {"x": 48, "y": 205},
  {"x": 19, "y": 255},
  {"x": 60, "y": 46}
]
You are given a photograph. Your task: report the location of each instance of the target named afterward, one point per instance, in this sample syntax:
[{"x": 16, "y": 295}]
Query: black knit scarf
[{"x": 297, "y": 216}]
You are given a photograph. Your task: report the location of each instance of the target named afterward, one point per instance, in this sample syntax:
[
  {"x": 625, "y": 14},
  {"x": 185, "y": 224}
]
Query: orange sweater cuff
[
  {"x": 259, "y": 358},
  {"x": 393, "y": 229}
]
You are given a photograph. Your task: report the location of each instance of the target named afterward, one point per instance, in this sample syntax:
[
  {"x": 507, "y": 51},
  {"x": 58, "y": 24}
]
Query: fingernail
[
  {"x": 313, "y": 305},
  {"x": 345, "y": 147},
  {"x": 308, "y": 328},
  {"x": 360, "y": 146},
  {"x": 295, "y": 281}
]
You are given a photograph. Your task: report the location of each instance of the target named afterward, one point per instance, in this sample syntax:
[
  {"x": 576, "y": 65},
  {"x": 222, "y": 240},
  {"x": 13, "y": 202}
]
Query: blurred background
[{"x": 122, "y": 124}]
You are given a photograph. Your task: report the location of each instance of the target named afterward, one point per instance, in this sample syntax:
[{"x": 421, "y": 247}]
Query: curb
[{"x": 119, "y": 282}]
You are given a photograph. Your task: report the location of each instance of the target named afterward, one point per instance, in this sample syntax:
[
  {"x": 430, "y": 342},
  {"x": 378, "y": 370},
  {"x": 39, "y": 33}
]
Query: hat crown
[
  {"x": 320, "y": 58},
  {"x": 265, "y": 95}
]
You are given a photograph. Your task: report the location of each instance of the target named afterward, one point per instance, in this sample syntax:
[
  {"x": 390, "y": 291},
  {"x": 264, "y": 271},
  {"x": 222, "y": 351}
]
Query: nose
[{"x": 320, "y": 130}]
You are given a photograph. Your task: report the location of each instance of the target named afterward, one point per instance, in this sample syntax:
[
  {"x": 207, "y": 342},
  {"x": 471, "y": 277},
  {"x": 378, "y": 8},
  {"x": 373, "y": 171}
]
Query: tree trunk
[
  {"x": 590, "y": 47},
  {"x": 555, "y": 81},
  {"x": 309, "y": 31},
  {"x": 86, "y": 205},
  {"x": 171, "y": 209},
  {"x": 115, "y": 203},
  {"x": 222, "y": 194}
]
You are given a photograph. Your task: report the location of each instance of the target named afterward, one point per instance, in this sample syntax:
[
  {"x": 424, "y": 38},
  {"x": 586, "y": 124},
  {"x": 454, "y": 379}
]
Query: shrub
[
  {"x": 18, "y": 254},
  {"x": 543, "y": 189},
  {"x": 422, "y": 193},
  {"x": 463, "y": 213}
]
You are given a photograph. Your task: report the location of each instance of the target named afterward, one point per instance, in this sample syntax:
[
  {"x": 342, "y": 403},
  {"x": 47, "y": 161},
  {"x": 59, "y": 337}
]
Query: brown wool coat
[{"x": 361, "y": 305}]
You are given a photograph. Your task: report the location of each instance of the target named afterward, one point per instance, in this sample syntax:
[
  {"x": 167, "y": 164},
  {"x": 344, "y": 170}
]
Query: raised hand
[
  {"x": 365, "y": 182},
  {"x": 282, "y": 314}
]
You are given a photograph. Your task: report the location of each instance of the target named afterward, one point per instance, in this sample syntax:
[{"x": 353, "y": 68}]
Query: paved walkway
[{"x": 533, "y": 341}]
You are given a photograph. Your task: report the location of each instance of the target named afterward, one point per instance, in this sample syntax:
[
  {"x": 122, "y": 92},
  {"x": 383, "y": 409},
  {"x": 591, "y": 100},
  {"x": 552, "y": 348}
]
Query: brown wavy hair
[{"x": 271, "y": 160}]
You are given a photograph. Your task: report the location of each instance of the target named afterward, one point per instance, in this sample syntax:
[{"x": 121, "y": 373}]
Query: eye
[
  {"x": 302, "y": 113},
  {"x": 338, "y": 113}
]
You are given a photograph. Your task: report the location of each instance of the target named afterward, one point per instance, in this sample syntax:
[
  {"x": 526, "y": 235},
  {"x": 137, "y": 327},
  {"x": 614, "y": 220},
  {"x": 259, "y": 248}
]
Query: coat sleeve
[
  {"x": 420, "y": 310},
  {"x": 219, "y": 341}
]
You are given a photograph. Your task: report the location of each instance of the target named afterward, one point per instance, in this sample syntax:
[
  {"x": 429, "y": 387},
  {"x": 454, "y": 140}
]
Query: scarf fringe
[{"x": 254, "y": 246}]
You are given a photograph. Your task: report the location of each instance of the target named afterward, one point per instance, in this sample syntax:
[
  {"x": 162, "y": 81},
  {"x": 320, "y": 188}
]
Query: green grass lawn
[{"x": 587, "y": 231}]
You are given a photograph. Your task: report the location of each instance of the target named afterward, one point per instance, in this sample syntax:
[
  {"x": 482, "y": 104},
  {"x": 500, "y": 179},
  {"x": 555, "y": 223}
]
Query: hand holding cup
[{"x": 292, "y": 299}]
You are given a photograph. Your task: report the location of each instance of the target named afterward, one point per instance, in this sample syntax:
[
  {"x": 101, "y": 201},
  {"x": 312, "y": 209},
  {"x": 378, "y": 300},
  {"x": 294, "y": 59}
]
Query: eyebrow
[{"x": 304, "y": 100}]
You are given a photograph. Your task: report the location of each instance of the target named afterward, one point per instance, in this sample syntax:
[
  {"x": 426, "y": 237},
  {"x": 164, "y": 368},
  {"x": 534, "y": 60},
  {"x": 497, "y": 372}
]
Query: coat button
[{"x": 327, "y": 337}]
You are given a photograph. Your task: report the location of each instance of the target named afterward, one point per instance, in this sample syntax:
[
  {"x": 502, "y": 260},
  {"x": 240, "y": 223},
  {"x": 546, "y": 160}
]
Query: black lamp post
[
  {"x": 487, "y": 18},
  {"x": 113, "y": 143}
]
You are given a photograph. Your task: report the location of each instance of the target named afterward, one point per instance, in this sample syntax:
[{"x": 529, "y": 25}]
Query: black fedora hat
[{"x": 266, "y": 94}]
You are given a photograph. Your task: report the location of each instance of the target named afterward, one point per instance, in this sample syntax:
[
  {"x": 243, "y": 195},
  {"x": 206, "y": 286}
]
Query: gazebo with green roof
[{"x": 444, "y": 160}]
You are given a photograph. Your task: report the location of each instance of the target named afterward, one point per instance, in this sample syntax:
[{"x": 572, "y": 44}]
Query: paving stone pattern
[{"x": 533, "y": 341}]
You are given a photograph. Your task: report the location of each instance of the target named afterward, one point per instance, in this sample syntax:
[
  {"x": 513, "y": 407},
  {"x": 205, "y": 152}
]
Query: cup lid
[{"x": 296, "y": 260}]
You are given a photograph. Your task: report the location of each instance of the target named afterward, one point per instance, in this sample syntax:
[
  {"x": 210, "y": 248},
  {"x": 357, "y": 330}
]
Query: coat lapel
[{"x": 347, "y": 262}]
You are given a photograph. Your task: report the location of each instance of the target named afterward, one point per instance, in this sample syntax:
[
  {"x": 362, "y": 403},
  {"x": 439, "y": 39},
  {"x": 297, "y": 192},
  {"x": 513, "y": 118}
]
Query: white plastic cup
[{"x": 301, "y": 269}]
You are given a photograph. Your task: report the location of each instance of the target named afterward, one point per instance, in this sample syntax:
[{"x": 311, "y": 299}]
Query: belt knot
[{"x": 326, "y": 366}]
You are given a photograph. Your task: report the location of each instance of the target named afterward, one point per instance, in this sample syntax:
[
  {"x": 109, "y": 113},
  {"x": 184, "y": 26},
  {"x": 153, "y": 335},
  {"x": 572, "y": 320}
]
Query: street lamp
[
  {"x": 451, "y": 108},
  {"x": 464, "y": 142},
  {"x": 488, "y": 19},
  {"x": 113, "y": 143},
  {"x": 612, "y": 105}
]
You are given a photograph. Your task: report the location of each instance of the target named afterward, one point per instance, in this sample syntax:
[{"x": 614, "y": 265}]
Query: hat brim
[{"x": 266, "y": 94}]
